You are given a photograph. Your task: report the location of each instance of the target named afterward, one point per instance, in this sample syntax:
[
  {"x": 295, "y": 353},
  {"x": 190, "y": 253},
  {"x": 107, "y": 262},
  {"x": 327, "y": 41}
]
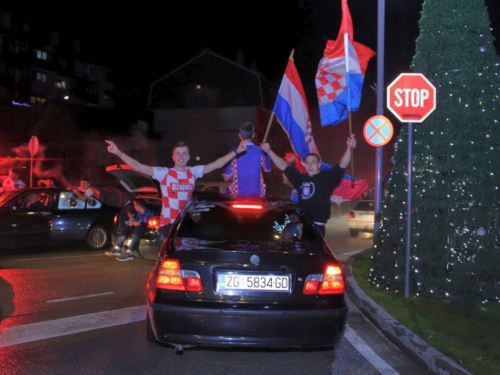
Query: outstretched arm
[
  {"x": 346, "y": 158},
  {"x": 136, "y": 166},
  {"x": 223, "y": 160},
  {"x": 278, "y": 161}
]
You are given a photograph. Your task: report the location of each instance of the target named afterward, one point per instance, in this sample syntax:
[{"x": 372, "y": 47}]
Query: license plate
[
  {"x": 252, "y": 282},
  {"x": 366, "y": 216}
]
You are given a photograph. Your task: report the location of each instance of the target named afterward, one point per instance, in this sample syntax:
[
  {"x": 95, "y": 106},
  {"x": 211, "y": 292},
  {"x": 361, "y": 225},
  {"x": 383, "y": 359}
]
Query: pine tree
[{"x": 455, "y": 219}]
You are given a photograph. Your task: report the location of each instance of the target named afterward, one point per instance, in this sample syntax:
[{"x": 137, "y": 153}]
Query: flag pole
[
  {"x": 348, "y": 89},
  {"x": 272, "y": 113}
]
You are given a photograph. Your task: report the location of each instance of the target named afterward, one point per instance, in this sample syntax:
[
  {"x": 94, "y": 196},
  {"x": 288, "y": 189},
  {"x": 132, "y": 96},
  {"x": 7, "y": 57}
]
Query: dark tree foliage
[{"x": 454, "y": 242}]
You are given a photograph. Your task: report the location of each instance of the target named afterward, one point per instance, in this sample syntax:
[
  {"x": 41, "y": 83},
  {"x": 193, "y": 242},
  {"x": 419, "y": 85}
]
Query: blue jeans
[{"x": 136, "y": 232}]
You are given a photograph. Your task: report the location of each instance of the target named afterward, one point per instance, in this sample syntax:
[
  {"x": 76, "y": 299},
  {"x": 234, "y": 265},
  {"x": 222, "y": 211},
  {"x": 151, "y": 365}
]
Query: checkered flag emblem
[{"x": 329, "y": 83}]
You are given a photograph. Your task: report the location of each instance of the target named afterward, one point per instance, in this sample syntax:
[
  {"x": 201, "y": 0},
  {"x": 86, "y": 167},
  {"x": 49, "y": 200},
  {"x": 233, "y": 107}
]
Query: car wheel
[
  {"x": 354, "y": 232},
  {"x": 150, "y": 335},
  {"x": 97, "y": 238}
]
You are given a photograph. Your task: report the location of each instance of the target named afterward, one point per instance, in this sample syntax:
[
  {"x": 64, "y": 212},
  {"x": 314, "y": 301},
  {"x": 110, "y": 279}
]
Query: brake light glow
[
  {"x": 247, "y": 206},
  {"x": 331, "y": 282},
  {"x": 172, "y": 277},
  {"x": 351, "y": 215},
  {"x": 154, "y": 222}
]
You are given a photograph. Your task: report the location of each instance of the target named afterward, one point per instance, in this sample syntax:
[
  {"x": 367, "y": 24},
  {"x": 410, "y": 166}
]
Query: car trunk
[{"x": 267, "y": 280}]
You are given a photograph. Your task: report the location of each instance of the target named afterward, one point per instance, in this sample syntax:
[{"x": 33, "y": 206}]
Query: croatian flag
[
  {"x": 339, "y": 80},
  {"x": 292, "y": 112}
]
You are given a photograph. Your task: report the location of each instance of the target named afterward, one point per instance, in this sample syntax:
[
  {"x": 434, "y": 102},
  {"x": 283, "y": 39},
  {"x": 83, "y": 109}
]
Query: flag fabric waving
[
  {"x": 292, "y": 112},
  {"x": 339, "y": 89}
]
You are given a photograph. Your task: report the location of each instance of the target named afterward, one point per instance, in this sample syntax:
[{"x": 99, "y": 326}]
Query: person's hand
[
  {"x": 242, "y": 147},
  {"x": 112, "y": 148},
  {"x": 351, "y": 141},
  {"x": 265, "y": 147}
]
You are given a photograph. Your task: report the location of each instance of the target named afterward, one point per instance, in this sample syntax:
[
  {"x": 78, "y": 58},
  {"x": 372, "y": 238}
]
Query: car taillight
[
  {"x": 154, "y": 222},
  {"x": 351, "y": 215},
  {"x": 331, "y": 282},
  {"x": 171, "y": 277}
]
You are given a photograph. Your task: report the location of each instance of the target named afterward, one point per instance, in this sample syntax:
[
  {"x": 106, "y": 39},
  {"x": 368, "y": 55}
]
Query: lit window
[
  {"x": 37, "y": 100},
  {"x": 41, "y": 77},
  {"x": 61, "y": 84},
  {"x": 42, "y": 55}
]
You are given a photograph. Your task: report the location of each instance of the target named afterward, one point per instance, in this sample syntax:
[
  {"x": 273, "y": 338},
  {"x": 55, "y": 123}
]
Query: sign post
[
  {"x": 412, "y": 98},
  {"x": 33, "y": 149}
]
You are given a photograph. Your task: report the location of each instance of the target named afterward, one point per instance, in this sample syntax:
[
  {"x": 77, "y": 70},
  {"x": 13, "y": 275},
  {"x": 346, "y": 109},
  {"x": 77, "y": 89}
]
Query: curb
[{"x": 420, "y": 351}]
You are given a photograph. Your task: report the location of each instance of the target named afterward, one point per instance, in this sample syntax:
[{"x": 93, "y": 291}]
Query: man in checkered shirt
[
  {"x": 177, "y": 183},
  {"x": 245, "y": 172}
]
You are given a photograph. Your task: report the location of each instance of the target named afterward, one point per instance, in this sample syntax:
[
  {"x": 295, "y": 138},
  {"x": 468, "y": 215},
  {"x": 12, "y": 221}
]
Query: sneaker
[
  {"x": 113, "y": 253},
  {"x": 126, "y": 256}
]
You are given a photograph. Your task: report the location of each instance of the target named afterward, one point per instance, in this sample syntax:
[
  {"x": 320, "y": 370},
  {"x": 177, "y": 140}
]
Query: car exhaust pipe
[{"x": 179, "y": 349}]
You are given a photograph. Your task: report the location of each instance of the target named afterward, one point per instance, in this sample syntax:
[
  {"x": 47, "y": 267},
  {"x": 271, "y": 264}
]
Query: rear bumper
[
  {"x": 148, "y": 245},
  {"x": 362, "y": 226},
  {"x": 248, "y": 328}
]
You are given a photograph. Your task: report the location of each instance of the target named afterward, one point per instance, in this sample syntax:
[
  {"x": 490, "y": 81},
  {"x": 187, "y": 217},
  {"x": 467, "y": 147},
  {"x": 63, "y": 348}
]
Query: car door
[
  {"x": 71, "y": 218},
  {"x": 21, "y": 226}
]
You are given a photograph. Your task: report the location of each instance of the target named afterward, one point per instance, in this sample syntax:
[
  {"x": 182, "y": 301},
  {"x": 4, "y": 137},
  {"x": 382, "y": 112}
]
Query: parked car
[
  {"x": 245, "y": 272},
  {"x": 61, "y": 217},
  {"x": 143, "y": 186},
  {"x": 362, "y": 217}
]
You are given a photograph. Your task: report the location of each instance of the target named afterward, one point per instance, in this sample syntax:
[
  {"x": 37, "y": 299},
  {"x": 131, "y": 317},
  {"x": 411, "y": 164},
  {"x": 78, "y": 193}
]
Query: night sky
[{"x": 143, "y": 43}]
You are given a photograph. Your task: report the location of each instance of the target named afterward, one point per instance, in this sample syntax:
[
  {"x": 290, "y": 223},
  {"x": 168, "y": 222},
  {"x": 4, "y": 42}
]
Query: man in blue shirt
[
  {"x": 136, "y": 226},
  {"x": 245, "y": 171}
]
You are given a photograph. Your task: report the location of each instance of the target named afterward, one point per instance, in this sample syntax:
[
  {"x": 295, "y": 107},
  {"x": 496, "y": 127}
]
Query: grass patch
[{"x": 468, "y": 335}]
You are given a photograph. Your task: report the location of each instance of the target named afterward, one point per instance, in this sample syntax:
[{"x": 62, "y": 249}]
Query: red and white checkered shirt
[{"x": 176, "y": 189}]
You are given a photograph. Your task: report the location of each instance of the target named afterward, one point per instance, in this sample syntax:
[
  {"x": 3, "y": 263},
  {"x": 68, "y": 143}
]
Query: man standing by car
[
  {"x": 245, "y": 173},
  {"x": 85, "y": 192},
  {"x": 314, "y": 187},
  {"x": 13, "y": 182},
  {"x": 177, "y": 183}
]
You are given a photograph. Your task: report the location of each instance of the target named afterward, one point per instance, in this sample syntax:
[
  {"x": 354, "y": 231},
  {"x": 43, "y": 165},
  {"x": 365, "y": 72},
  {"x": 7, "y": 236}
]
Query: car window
[
  {"x": 269, "y": 226},
  {"x": 70, "y": 201},
  {"x": 364, "y": 206}
]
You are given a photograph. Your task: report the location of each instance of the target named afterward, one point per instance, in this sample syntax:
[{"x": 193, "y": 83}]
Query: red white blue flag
[
  {"x": 339, "y": 79},
  {"x": 292, "y": 112}
]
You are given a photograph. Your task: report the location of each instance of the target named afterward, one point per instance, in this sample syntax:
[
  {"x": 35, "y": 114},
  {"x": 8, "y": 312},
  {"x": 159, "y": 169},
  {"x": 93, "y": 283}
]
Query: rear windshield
[
  {"x": 271, "y": 227},
  {"x": 365, "y": 206}
]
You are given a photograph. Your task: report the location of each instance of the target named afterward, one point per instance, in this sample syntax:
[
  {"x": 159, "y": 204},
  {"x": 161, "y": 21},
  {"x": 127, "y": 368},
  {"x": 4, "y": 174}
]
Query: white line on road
[
  {"x": 79, "y": 297},
  {"x": 50, "y": 258},
  {"x": 382, "y": 366},
  {"x": 68, "y": 326}
]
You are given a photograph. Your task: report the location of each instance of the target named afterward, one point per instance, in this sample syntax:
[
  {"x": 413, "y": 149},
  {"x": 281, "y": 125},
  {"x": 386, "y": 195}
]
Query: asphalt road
[{"x": 71, "y": 311}]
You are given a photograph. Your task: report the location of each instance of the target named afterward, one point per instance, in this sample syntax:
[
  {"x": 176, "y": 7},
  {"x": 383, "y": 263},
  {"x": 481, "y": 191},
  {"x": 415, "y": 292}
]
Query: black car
[
  {"x": 39, "y": 216},
  {"x": 248, "y": 272}
]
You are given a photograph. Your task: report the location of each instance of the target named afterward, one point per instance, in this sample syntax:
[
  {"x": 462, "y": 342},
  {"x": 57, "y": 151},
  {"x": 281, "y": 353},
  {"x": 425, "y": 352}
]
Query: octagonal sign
[{"x": 411, "y": 97}]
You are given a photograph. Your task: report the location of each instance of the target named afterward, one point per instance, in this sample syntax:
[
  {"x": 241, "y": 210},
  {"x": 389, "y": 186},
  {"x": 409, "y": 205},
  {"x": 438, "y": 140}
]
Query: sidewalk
[{"x": 338, "y": 237}]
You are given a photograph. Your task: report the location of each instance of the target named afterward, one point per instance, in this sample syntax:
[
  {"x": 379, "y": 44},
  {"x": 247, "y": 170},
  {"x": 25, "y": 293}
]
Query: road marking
[
  {"x": 79, "y": 297},
  {"x": 382, "y": 366},
  {"x": 68, "y": 326},
  {"x": 65, "y": 257}
]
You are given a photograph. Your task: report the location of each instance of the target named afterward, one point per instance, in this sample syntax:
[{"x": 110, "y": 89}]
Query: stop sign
[{"x": 411, "y": 97}]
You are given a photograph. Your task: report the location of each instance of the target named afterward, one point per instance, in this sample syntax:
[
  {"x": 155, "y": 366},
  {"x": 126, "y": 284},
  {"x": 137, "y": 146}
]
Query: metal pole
[
  {"x": 379, "y": 151},
  {"x": 408, "y": 209}
]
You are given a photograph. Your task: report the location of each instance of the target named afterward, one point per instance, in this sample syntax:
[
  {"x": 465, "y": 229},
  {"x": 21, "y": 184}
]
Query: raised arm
[
  {"x": 223, "y": 160},
  {"x": 278, "y": 161},
  {"x": 346, "y": 158},
  {"x": 134, "y": 164}
]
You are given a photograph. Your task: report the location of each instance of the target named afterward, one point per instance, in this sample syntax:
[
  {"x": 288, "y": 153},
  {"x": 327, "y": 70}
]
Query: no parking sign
[{"x": 378, "y": 130}]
